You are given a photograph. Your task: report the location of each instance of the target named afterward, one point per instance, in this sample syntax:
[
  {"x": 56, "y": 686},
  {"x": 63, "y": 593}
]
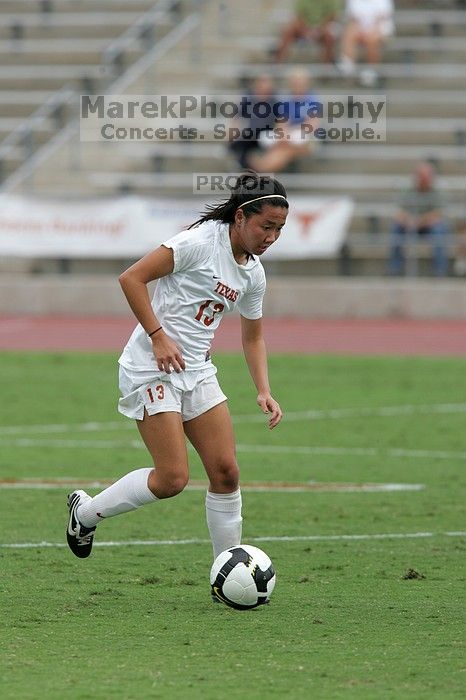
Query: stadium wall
[{"x": 286, "y": 296}]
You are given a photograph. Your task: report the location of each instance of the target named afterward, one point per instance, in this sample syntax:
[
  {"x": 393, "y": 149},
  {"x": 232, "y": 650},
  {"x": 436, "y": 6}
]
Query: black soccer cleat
[{"x": 79, "y": 537}]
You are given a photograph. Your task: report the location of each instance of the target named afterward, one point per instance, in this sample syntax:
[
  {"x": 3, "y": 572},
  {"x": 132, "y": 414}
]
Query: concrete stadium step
[
  {"x": 440, "y": 137},
  {"x": 61, "y": 51},
  {"x": 370, "y": 198},
  {"x": 23, "y": 97},
  {"x": 19, "y": 103},
  {"x": 406, "y": 58},
  {"x": 397, "y": 46},
  {"x": 310, "y": 164},
  {"x": 432, "y": 130},
  {"x": 416, "y": 16},
  {"x": 14, "y": 157},
  {"x": 149, "y": 149},
  {"x": 72, "y": 32},
  {"x": 54, "y": 6},
  {"x": 371, "y": 166},
  {"x": 18, "y": 112},
  {"x": 64, "y": 25},
  {"x": 52, "y": 77},
  {"x": 392, "y": 153},
  {"x": 453, "y": 108},
  {"x": 65, "y": 106},
  {"x": 432, "y": 76},
  {"x": 329, "y": 158},
  {"x": 309, "y": 182},
  {"x": 127, "y": 157},
  {"x": 351, "y": 152},
  {"x": 8, "y": 124}
]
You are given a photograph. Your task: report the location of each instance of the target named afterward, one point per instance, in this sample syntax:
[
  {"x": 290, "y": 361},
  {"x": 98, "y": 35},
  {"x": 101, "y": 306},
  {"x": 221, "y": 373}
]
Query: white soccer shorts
[{"x": 189, "y": 393}]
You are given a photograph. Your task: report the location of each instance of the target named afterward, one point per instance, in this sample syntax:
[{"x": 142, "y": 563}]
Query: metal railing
[
  {"x": 141, "y": 30},
  {"x": 120, "y": 79},
  {"x": 23, "y": 136}
]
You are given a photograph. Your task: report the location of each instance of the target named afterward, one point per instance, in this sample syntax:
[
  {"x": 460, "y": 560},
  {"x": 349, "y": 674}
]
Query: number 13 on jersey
[{"x": 208, "y": 318}]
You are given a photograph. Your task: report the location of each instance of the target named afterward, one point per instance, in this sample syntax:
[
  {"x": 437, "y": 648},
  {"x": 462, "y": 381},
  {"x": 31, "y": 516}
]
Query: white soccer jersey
[{"x": 206, "y": 283}]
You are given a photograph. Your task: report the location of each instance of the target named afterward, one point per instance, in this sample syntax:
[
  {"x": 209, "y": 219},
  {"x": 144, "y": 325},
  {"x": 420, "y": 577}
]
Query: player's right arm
[{"x": 134, "y": 281}]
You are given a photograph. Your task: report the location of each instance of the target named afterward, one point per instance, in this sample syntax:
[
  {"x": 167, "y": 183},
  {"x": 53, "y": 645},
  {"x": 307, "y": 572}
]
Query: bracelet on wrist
[{"x": 156, "y": 331}]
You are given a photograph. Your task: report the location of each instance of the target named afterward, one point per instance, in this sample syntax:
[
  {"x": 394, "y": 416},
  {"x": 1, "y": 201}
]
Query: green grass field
[{"x": 137, "y": 622}]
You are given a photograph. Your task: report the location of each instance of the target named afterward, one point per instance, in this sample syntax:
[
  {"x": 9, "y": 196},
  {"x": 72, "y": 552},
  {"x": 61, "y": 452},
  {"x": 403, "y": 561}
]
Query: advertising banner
[{"x": 129, "y": 227}]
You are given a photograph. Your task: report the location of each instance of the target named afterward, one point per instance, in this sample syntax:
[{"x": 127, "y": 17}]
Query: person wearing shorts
[
  {"x": 313, "y": 20},
  {"x": 168, "y": 382},
  {"x": 369, "y": 23}
]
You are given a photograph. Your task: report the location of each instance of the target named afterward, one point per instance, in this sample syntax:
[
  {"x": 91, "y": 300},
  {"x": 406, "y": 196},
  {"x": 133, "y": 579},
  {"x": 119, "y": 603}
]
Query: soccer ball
[{"x": 242, "y": 577}]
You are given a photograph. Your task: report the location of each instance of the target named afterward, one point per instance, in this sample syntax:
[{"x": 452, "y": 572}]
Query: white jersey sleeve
[
  {"x": 190, "y": 250},
  {"x": 250, "y": 304}
]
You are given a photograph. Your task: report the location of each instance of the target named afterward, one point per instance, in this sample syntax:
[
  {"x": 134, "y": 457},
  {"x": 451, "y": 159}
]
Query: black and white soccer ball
[{"x": 242, "y": 577}]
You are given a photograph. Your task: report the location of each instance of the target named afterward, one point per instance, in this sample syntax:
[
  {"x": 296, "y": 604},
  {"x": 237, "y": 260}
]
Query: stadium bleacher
[{"x": 51, "y": 50}]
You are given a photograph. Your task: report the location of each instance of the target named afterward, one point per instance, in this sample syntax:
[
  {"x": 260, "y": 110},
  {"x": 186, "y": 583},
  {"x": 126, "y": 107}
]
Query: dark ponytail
[{"x": 248, "y": 186}]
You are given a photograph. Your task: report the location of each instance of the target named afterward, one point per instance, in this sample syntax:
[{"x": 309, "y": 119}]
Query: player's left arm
[{"x": 256, "y": 358}]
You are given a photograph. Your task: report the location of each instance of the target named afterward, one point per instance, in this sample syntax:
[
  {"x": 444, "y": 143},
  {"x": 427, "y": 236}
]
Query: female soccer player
[{"x": 167, "y": 379}]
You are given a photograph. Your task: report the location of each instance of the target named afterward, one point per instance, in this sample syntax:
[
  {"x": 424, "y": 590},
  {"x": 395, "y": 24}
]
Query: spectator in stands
[
  {"x": 288, "y": 135},
  {"x": 368, "y": 24},
  {"x": 294, "y": 129},
  {"x": 459, "y": 266},
  {"x": 262, "y": 94},
  {"x": 421, "y": 216},
  {"x": 314, "y": 20}
]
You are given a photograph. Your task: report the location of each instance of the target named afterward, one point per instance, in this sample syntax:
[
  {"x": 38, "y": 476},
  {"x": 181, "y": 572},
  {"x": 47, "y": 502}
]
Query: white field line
[
  {"x": 291, "y": 538},
  {"x": 366, "y": 411},
  {"x": 270, "y": 487},
  {"x": 331, "y": 413},
  {"x": 398, "y": 453}
]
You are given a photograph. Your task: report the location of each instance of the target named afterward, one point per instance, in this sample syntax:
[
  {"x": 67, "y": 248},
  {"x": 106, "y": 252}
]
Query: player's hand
[
  {"x": 268, "y": 405},
  {"x": 167, "y": 353}
]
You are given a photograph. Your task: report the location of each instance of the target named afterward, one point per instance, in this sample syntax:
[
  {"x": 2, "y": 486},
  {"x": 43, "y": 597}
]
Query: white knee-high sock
[
  {"x": 223, "y": 512},
  {"x": 128, "y": 493}
]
